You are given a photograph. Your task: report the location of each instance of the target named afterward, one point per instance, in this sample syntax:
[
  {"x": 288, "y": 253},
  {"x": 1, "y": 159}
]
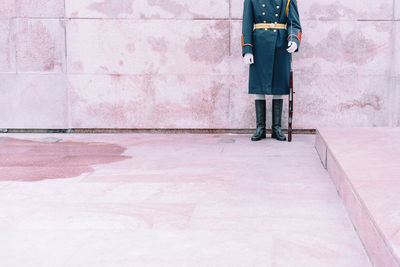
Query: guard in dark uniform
[{"x": 271, "y": 32}]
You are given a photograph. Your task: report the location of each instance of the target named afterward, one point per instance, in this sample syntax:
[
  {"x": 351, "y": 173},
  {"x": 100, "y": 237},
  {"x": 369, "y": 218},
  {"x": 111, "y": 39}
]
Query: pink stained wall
[{"x": 177, "y": 64}]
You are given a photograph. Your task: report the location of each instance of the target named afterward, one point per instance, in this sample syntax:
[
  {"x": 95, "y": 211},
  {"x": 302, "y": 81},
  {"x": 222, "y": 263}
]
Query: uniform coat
[{"x": 271, "y": 69}]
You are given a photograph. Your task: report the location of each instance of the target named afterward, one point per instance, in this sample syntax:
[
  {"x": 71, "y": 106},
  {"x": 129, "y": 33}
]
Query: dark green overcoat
[{"x": 270, "y": 72}]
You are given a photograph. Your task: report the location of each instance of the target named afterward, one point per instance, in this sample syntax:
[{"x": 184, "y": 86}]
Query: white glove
[
  {"x": 248, "y": 59},
  {"x": 292, "y": 47}
]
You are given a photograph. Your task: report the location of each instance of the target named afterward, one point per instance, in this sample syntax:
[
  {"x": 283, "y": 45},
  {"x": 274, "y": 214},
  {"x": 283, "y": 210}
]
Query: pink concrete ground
[
  {"x": 170, "y": 200},
  {"x": 364, "y": 164}
]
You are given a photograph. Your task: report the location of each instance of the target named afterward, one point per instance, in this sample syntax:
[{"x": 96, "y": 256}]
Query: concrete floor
[{"x": 169, "y": 200}]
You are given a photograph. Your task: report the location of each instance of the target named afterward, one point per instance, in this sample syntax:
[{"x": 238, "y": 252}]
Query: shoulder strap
[{"x": 287, "y": 8}]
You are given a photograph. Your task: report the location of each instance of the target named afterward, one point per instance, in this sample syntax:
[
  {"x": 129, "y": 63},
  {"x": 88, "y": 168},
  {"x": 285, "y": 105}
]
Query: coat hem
[{"x": 262, "y": 92}]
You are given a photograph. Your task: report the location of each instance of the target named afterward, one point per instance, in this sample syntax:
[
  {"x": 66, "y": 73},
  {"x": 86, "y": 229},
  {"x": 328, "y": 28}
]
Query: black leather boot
[
  {"x": 276, "y": 120},
  {"x": 260, "y": 115}
]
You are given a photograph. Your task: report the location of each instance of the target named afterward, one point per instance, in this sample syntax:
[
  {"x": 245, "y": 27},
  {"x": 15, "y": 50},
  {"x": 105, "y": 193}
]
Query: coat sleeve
[
  {"x": 294, "y": 26},
  {"x": 247, "y": 28}
]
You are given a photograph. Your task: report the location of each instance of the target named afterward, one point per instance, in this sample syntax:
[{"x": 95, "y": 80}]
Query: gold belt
[{"x": 270, "y": 26}]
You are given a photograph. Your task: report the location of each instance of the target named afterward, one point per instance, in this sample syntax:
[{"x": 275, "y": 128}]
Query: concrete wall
[{"x": 177, "y": 64}]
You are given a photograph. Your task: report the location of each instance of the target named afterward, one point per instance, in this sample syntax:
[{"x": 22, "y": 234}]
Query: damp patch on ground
[{"x": 52, "y": 158}]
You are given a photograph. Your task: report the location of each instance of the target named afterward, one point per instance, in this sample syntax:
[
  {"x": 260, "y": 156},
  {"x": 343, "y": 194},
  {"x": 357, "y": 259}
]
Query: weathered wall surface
[{"x": 177, "y": 64}]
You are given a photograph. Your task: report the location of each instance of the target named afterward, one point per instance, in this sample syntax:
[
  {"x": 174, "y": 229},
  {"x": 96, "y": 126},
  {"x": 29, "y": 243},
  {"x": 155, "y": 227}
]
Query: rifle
[{"x": 291, "y": 93}]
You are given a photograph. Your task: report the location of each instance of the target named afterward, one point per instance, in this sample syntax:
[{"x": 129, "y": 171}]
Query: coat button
[
  {"x": 276, "y": 15},
  {"x": 263, "y": 13},
  {"x": 277, "y": 7},
  {"x": 263, "y": 5}
]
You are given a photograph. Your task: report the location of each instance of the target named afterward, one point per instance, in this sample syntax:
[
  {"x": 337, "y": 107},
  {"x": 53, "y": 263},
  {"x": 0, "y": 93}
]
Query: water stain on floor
[{"x": 29, "y": 161}]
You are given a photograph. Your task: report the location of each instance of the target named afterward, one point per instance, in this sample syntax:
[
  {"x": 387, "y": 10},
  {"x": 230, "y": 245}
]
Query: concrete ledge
[
  {"x": 364, "y": 165},
  {"x": 153, "y": 131}
]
